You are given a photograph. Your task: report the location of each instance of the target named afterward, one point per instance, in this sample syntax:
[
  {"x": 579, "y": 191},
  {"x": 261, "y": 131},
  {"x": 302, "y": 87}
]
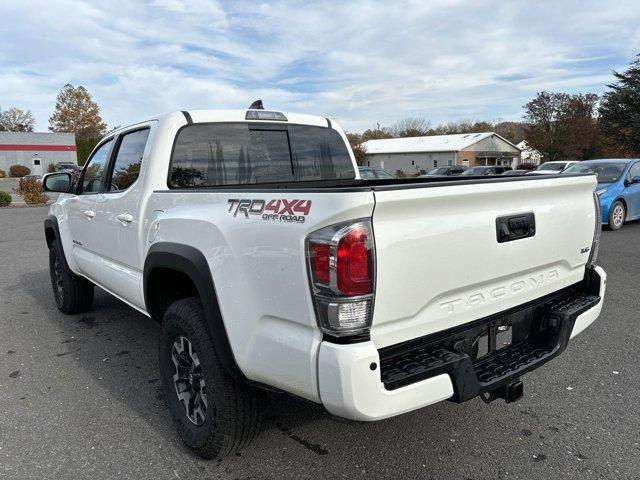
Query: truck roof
[{"x": 236, "y": 115}]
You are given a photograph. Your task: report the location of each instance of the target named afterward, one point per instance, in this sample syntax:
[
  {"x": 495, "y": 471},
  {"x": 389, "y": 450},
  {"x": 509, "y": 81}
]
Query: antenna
[{"x": 257, "y": 105}]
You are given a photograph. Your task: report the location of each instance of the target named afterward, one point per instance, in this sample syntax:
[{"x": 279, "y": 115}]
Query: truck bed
[{"x": 374, "y": 184}]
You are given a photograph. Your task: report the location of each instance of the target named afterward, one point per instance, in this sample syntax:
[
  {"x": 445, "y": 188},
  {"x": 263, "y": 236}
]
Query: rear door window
[
  {"x": 246, "y": 153},
  {"x": 126, "y": 167}
]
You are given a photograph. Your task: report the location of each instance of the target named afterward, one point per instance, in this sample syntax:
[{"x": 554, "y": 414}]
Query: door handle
[
  {"x": 89, "y": 214},
  {"x": 125, "y": 217}
]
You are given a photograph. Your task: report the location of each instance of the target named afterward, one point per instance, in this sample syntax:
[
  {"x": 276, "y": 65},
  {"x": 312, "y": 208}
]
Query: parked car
[
  {"x": 34, "y": 176},
  {"x": 486, "y": 170},
  {"x": 515, "y": 173},
  {"x": 446, "y": 171},
  {"x": 618, "y": 188},
  {"x": 67, "y": 167},
  {"x": 526, "y": 166},
  {"x": 268, "y": 265},
  {"x": 548, "y": 168},
  {"x": 374, "y": 173}
]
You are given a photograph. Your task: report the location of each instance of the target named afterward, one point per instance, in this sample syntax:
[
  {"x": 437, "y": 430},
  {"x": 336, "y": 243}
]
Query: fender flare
[
  {"x": 51, "y": 222},
  {"x": 191, "y": 262}
]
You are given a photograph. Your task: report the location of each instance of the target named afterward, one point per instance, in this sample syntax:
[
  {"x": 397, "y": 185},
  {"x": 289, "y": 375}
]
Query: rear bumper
[{"x": 358, "y": 381}]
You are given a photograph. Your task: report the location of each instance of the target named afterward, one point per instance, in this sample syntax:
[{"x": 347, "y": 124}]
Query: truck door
[
  {"x": 118, "y": 225},
  {"x": 82, "y": 208}
]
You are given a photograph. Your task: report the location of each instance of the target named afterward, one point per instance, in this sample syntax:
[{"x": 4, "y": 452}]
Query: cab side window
[
  {"x": 95, "y": 169},
  {"x": 128, "y": 160},
  {"x": 635, "y": 171}
]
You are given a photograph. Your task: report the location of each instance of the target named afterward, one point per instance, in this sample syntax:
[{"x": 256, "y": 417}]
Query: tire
[
  {"x": 228, "y": 418},
  {"x": 617, "y": 215},
  {"x": 72, "y": 293}
]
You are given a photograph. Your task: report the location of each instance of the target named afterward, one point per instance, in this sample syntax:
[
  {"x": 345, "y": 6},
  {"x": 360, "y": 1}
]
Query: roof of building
[
  {"x": 524, "y": 145},
  {"x": 37, "y": 138},
  {"x": 431, "y": 143}
]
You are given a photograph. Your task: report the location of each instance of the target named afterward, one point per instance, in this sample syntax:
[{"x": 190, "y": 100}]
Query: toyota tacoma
[{"x": 250, "y": 237}]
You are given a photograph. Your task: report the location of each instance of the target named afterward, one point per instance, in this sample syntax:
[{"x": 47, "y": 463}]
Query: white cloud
[{"x": 360, "y": 62}]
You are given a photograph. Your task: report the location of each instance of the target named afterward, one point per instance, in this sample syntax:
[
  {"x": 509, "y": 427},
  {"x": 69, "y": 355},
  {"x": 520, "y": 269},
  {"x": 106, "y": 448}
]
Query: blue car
[{"x": 618, "y": 188}]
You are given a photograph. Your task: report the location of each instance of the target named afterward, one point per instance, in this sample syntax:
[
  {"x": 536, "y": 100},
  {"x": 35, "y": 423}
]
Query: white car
[
  {"x": 549, "y": 168},
  {"x": 268, "y": 263}
]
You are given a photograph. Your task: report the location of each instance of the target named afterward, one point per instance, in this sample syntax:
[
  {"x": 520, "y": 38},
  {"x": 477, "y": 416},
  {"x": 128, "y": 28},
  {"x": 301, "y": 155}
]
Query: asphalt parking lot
[{"x": 80, "y": 398}]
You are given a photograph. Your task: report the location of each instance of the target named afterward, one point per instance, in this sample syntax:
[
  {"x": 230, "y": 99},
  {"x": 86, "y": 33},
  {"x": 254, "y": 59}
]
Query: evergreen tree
[{"x": 620, "y": 110}]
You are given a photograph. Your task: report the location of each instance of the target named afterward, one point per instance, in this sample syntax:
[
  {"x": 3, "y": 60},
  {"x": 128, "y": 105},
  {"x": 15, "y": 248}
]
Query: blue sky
[{"x": 362, "y": 62}]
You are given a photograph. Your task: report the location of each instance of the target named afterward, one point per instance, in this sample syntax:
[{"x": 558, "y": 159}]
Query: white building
[
  {"x": 36, "y": 150},
  {"x": 529, "y": 154},
  {"x": 418, "y": 155}
]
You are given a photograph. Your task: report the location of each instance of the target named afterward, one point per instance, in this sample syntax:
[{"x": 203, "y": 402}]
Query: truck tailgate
[{"x": 439, "y": 261}]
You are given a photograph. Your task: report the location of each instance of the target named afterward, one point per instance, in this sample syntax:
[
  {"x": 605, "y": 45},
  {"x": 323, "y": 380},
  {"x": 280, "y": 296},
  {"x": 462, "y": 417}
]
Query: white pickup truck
[{"x": 249, "y": 236}]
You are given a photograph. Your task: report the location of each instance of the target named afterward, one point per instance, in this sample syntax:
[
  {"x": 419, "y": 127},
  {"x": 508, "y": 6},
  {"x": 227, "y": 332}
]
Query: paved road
[{"x": 80, "y": 398}]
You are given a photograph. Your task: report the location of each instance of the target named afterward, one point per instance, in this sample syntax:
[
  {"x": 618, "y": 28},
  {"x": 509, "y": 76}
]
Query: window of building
[{"x": 435, "y": 163}]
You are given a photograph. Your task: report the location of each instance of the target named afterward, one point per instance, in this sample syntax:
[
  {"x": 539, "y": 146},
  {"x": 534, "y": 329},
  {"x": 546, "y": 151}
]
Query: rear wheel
[
  {"x": 72, "y": 293},
  {"x": 214, "y": 414},
  {"x": 617, "y": 215}
]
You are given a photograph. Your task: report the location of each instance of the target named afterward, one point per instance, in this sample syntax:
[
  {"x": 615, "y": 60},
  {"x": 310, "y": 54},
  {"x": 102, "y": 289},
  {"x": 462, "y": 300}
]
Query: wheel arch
[
  {"x": 623, "y": 202},
  {"x": 51, "y": 230},
  {"x": 167, "y": 263}
]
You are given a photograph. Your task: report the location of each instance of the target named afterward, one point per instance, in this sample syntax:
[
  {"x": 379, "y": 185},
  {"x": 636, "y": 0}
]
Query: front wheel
[
  {"x": 73, "y": 294},
  {"x": 617, "y": 215},
  {"x": 215, "y": 415}
]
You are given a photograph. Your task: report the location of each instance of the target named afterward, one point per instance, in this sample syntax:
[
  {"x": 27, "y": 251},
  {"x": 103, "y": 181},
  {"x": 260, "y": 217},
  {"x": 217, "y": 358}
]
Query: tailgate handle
[{"x": 515, "y": 227}]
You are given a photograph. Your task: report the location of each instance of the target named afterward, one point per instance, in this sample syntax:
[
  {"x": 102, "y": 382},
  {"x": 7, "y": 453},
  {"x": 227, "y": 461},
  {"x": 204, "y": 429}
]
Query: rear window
[
  {"x": 606, "y": 172},
  {"x": 249, "y": 153},
  {"x": 556, "y": 167}
]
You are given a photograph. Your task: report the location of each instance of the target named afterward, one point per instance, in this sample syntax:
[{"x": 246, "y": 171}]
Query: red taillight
[
  {"x": 320, "y": 257},
  {"x": 353, "y": 273},
  {"x": 341, "y": 262}
]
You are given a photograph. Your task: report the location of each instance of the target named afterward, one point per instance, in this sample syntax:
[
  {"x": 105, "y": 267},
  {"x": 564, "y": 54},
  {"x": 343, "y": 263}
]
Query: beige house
[{"x": 418, "y": 155}]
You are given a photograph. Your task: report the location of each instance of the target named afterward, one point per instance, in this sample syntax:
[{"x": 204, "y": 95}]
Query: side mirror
[{"x": 57, "y": 182}]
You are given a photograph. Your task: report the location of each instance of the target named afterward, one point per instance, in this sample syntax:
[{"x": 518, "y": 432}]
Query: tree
[
  {"x": 76, "y": 112},
  {"x": 359, "y": 152},
  {"x": 620, "y": 110},
  {"x": 582, "y": 129},
  {"x": 376, "y": 133},
  {"x": 512, "y": 131},
  {"x": 17, "y": 120},
  {"x": 410, "y": 127},
  {"x": 84, "y": 147},
  {"x": 354, "y": 139},
  {"x": 563, "y": 126}
]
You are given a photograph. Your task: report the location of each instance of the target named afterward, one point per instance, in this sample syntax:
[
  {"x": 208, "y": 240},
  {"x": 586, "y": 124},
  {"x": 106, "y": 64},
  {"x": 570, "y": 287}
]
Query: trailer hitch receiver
[{"x": 510, "y": 393}]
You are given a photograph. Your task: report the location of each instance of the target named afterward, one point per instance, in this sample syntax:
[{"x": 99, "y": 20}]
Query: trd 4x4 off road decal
[{"x": 276, "y": 210}]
